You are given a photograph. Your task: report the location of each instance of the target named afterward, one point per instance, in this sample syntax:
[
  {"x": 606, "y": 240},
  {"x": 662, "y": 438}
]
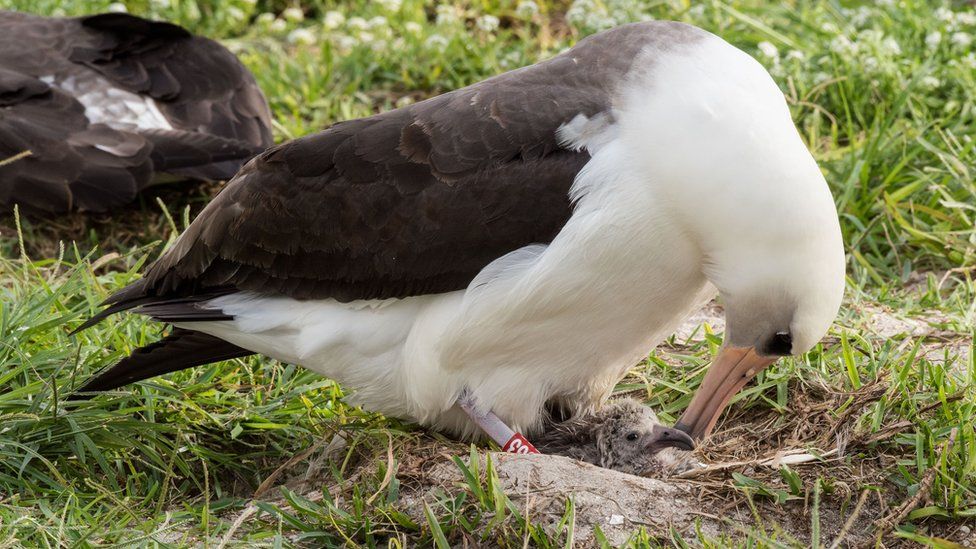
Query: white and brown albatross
[
  {"x": 107, "y": 105},
  {"x": 525, "y": 239}
]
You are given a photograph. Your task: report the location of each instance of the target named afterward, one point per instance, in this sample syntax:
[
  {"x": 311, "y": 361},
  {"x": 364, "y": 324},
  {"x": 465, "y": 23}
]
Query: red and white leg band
[{"x": 494, "y": 427}]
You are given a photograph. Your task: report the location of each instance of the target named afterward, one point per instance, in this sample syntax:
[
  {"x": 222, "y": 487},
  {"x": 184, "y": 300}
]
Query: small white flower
[
  {"x": 930, "y": 82},
  {"x": 303, "y": 37},
  {"x": 413, "y": 27},
  {"x": 488, "y": 23},
  {"x": 870, "y": 35},
  {"x": 943, "y": 14},
  {"x": 795, "y": 55},
  {"x": 160, "y": 4},
  {"x": 117, "y": 7},
  {"x": 345, "y": 42},
  {"x": 970, "y": 60},
  {"x": 820, "y": 77},
  {"x": 697, "y": 10},
  {"x": 437, "y": 42},
  {"x": 575, "y": 17},
  {"x": 890, "y": 46},
  {"x": 265, "y": 19},
  {"x": 404, "y": 101},
  {"x": 527, "y": 9},
  {"x": 842, "y": 45},
  {"x": 768, "y": 50},
  {"x": 962, "y": 39},
  {"x": 829, "y": 27},
  {"x": 933, "y": 39},
  {"x": 390, "y": 5},
  {"x": 447, "y": 15},
  {"x": 358, "y": 23},
  {"x": 293, "y": 14},
  {"x": 236, "y": 14},
  {"x": 378, "y": 22},
  {"x": 597, "y": 21},
  {"x": 250, "y": 2},
  {"x": 366, "y": 37},
  {"x": 333, "y": 20},
  {"x": 966, "y": 18},
  {"x": 278, "y": 25},
  {"x": 886, "y": 3},
  {"x": 861, "y": 16}
]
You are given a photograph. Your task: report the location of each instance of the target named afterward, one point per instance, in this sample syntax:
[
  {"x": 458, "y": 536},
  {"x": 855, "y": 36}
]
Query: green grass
[{"x": 887, "y": 109}]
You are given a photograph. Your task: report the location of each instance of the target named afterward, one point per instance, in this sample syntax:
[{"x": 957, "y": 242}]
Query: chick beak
[
  {"x": 668, "y": 437},
  {"x": 728, "y": 374}
]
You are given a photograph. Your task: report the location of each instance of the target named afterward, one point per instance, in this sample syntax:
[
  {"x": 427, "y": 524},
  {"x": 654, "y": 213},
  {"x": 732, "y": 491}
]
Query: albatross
[
  {"x": 522, "y": 241},
  {"x": 95, "y": 109}
]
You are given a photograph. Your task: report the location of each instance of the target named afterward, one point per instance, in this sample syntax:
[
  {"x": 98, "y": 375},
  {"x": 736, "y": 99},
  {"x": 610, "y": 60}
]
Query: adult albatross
[
  {"x": 523, "y": 240},
  {"x": 107, "y": 105}
]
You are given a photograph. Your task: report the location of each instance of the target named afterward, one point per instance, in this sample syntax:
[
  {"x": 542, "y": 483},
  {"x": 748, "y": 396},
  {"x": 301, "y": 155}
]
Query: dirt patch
[
  {"x": 616, "y": 502},
  {"x": 620, "y": 503}
]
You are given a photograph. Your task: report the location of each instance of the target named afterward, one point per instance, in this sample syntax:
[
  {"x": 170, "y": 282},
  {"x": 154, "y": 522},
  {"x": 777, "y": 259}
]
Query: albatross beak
[
  {"x": 668, "y": 437},
  {"x": 727, "y": 375}
]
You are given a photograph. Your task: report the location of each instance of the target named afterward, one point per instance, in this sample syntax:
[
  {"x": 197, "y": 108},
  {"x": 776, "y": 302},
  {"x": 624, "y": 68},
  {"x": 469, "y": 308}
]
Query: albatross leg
[{"x": 506, "y": 437}]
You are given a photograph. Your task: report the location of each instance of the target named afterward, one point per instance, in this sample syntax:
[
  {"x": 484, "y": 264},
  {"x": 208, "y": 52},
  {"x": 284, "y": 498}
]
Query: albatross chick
[{"x": 624, "y": 436}]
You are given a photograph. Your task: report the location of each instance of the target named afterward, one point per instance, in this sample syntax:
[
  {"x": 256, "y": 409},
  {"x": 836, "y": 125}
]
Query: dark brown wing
[
  {"x": 219, "y": 116},
  {"x": 72, "y": 164},
  {"x": 413, "y": 201},
  {"x": 200, "y": 86}
]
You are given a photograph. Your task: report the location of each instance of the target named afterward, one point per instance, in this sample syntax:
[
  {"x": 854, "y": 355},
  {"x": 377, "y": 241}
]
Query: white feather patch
[
  {"x": 583, "y": 132},
  {"x": 109, "y": 105}
]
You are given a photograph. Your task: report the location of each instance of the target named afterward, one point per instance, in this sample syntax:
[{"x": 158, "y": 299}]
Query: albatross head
[
  {"x": 726, "y": 158},
  {"x": 778, "y": 303}
]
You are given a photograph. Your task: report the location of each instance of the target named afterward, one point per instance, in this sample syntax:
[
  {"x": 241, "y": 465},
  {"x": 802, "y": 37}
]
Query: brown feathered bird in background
[{"x": 110, "y": 104}]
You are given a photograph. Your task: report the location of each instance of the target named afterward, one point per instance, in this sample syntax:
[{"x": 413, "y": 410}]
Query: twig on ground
[
  {"x": 850, "y": 520},
  {"x": 786, "y": 457},
  {"x": 247, "y": 512},
  {"x": 389, "y": 469},
  {"x": 884, "y": 526},
  {"x": 269, "y": 482}
]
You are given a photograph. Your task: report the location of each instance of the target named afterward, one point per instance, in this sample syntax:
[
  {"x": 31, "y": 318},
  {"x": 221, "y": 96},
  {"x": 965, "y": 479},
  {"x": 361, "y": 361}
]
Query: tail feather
[
  {"x": 127, "y": 298},
  {"x": 180, "y": 350}
]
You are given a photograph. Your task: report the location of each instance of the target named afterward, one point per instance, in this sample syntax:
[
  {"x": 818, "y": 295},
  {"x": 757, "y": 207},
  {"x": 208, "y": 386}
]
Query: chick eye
[{"x": 632, "y": 436}]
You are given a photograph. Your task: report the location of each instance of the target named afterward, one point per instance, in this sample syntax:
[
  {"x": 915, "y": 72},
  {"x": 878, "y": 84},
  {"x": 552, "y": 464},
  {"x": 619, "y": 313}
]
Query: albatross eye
[{"x": 632, "y": 437}]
